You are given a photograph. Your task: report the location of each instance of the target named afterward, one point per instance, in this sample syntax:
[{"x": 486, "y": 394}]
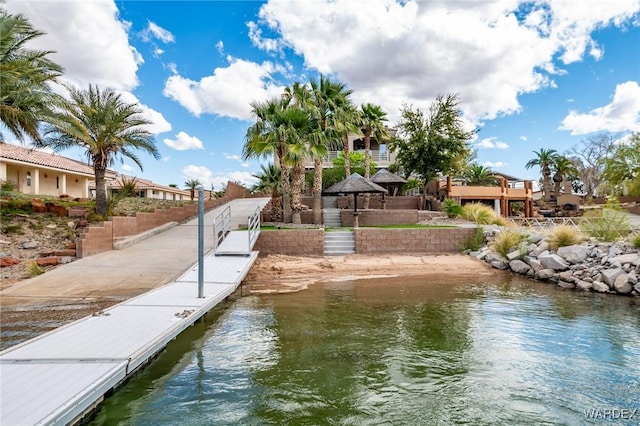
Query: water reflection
[{"x": 444, "y": 351}]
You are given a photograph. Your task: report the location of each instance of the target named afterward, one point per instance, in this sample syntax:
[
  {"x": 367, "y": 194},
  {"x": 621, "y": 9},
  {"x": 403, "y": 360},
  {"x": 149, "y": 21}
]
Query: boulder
[
  {"x": 574, "y": 254},
  {"x": 48, "y": 261},
  {"x": 600, "y": 287},
  {"x": 632, "y": 258},
  {"x": 38, "y": 206},
  {"x": 622, "y": 284},
  {"x": 566, "y": 276},
  {"x": 553, "y": 261},
  {"x": 514, "y": 255},
  {"x": 519, "y": 267},
  {"x": 499, "y": 264},
  {"x": 28, "y": 245},
  {"x": 542, "y": 247},
  {"x": 534, "y": 263},
  {"x": 584, "y": 285},
  {"x": 57, "y": 210},
  {"x": 609, "y": 275},
  {"x": 564, "y": 284},
  {"x": 8, "y": 261},
  {"x": 545, "y": 274}
]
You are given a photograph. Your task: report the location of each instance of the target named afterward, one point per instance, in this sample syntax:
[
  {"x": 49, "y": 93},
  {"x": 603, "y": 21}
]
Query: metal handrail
[
  {"x": 254, "y": 227},
  {"x": 221, "y": 226}
]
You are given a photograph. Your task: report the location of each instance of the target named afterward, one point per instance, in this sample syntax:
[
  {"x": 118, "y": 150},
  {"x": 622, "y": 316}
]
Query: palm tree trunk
[
  {"x": 546, "y": 184},
  {"x": 317, "y": 191},
  {"x": 367, "y": 163},
  {"x": 347, "y": 160},
  {"x": 101, "y": 191},
  {"x": 297, "y": 179},
  {"x": 286, "y": 188}
]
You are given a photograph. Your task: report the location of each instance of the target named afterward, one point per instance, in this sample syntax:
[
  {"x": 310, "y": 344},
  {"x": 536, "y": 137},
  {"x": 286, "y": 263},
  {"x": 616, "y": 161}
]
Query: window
[
  {"x": 28, "y": 178},
  {"x": 57, "y": 182}
]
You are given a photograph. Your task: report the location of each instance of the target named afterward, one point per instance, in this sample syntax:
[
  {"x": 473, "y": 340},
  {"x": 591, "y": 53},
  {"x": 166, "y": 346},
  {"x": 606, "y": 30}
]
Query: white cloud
[
  {"x": 228, "y": 92},
  {"x": 159, "y": 123},
  {"x": 220, "y": 47},
  {"x": 245, "y": 164},
  {"x": 231, "y": 156},
  {"x": 491, "y": 52},
  {"x": 157, "y": 52},
  {"x": 494, "y": 165},
  {"x": 206, "y": 177},
  {"x": 165, "y": 158},
  {"x": 621, "y": 115},
  {"x": 183, "y": 142},
  {"x": 492, "y": 143},
  {"x": 158, "y": 32},
  {"x": 523, "y": 138},
  {"x": 255, "y": 35},
  {"x": 127, "y": 168},
  {"x": 77, "y": 31}
]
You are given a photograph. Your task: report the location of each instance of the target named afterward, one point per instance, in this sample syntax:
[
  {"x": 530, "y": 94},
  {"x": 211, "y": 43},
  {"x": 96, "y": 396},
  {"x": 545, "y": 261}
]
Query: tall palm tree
[
  {"x": 107, "y": 127},
  {"x": 267, "y": 137},
  {"x": 25, "y": 97},
  {"x": 192, "y": 185},
  {"x": 564, "y": 168},
  {"x": 330, "y": 103},
  {"x": 269, "y": 181},
  {"x": 544, "y": 159},
  {"x": 372, "y": 124}
]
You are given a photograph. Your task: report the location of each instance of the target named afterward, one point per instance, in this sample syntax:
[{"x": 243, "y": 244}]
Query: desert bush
[
  {"x": 35, "y": 269},
  {"x": 7, "y": 186},
  {"x": 607, "y": 224},
  {"x": 635, "y": 240},
  {"x": 563, "y": 236},
  {"x": 474, "y": 241},
  {"x": 12, "y": 229},
  {"x": 451, "y": 208},
  {"x": 478, "y": 213},
  {"x": 505, "y": 242}
]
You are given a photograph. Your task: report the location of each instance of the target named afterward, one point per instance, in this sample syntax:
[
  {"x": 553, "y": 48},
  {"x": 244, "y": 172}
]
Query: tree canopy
[{"x": 431, "y": 143}]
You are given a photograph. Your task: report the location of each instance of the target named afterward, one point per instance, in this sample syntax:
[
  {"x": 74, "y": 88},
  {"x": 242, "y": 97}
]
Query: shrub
[
  {"x": 478, "y": 213},
  {"x": 635, "y": 240},
  {"x": 474, "y": 241},
  {"x": 451, "y": 208},
  {"x": 505, "y": 242},
  {"x": 563, "y": 236},
  {"x": 12, "y": 229},
  {"x": 7, "y": 186},
  {"x": 35, "y": 269},
  {"x": 607, "y": 224}
]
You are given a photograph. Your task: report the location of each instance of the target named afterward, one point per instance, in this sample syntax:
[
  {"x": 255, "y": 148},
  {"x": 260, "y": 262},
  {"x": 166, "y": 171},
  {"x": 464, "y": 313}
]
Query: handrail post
[{"x": 200, "y": 242}]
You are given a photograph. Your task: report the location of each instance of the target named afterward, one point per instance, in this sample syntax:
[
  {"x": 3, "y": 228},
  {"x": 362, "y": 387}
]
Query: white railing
[
  {"x": 254, "y": 228},
  {"x": 376, "y": 156},
  {"x": 221, "y": 226}
]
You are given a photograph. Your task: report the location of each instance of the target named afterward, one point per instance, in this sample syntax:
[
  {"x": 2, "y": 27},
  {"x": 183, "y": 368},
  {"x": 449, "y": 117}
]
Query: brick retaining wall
[
  {"x": 427, "y": 240},
  {"x": 292, "y": 242},
  {"x": 388, "y": 217}
]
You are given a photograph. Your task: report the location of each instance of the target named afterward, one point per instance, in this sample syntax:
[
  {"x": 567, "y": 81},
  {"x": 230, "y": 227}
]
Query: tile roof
[{"x": 41, "y": 158}]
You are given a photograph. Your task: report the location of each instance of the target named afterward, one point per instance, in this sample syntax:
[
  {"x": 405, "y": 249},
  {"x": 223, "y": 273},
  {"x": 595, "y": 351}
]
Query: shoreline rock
[{"x": 599, "y": 267}]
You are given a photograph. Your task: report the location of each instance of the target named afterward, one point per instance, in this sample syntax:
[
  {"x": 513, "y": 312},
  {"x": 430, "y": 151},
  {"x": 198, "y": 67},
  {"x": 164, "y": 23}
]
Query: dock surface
[{"x": 56, "y": 377}]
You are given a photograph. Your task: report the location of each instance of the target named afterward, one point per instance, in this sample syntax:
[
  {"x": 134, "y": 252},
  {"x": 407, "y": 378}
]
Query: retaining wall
[
  {"x": 388, "y": 217},
  {"x": 427, "y": 240},
  {"x": 291, "y": 242}
]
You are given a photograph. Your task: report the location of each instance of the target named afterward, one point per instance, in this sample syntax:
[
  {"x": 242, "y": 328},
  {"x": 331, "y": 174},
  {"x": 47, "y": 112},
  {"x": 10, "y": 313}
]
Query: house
[
  {"x": 380, "y": 154},
  {"x": 41, "y": 173},
  {"x": 511, "y": 197},
  {"x": 145, "y": 188}
]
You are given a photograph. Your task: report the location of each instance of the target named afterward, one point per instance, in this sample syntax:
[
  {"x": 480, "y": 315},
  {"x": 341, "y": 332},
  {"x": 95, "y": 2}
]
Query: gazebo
[
  {"x": 354, "y": 184},
  {"x": 389, "y": 181}
]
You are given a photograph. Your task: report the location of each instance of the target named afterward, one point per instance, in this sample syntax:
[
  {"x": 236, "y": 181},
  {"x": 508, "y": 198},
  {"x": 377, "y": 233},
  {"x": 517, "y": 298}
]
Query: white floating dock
[{"x": 55, "y": 378}]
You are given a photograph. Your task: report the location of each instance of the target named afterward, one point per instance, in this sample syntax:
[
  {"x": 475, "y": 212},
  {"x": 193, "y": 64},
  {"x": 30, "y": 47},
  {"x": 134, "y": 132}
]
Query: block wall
[
  {"x": 292, "y": 242},
  {"x": 427, "y": 240}
]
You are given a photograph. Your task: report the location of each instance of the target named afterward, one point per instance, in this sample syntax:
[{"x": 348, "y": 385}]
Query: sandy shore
[{"x": 283, "y": 274}]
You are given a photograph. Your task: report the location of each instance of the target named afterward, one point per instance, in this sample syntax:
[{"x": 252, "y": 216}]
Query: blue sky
[{"x": 530, "y": 75}]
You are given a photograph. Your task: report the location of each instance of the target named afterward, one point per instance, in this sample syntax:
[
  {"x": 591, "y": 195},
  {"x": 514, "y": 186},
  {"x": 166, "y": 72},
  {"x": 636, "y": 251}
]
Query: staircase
[
  {"x": 339, "y": 243},
  {"x": 331, "y": 216}
]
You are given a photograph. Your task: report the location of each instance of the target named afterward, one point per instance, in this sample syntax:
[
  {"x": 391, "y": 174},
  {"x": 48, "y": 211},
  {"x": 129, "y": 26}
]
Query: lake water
[{"x": 500, "y": 351}]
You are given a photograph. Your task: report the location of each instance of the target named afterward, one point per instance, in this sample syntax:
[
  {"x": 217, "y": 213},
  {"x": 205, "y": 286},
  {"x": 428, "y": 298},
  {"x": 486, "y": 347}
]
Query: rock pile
[{"x": 599, "y": 267}]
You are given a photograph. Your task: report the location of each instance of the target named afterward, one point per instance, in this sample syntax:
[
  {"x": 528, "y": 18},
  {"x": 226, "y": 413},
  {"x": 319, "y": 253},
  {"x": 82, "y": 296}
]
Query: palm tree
[
  {"x": 564, "y": 168},
  {"x": 544, "y": 159},
  {"x": 372, "y": 124},
  {"x": 269, "y": 181},
  {"x": 105, "y": 126},
  {"x": 268, "y": 138},
  {"x": 331, "y": 107},
  {"x": 475, "y": 174},
  {"x": 192, "y": 185},
  {"x": 25, "y": 97}
]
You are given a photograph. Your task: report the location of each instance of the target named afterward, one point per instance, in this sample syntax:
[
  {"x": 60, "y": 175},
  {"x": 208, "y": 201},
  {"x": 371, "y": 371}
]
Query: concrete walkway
[{"x": 119, "y": 274}]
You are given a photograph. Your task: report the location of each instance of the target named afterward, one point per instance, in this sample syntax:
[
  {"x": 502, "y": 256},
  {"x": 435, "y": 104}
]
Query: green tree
[
  {"x": 623, "y": 166},
  {"x": 25, "y": 97},
  {"x": 544, "y": 159},
  {"x": 478, "y": 175},
  {"x": 192, "y": 184},
  {"x": 589, "y": 158},
  {"x": 433, "y": 142},
  {"x": 372, "y": 119},
  {"x": 269, "y": 181},
  {"x": 337, "y": 172},
  {"x": 107, "y": 127}
]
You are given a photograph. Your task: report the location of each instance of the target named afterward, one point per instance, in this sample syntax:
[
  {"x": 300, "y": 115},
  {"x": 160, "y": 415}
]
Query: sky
[{"x": 529, "y": 74}]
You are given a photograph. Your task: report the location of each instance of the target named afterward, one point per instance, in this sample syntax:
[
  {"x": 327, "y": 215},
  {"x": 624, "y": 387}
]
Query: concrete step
[{"x": 339, "y": 243}]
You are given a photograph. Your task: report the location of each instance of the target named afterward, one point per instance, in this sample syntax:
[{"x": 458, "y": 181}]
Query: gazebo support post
[{"x": 355, "y": 211}]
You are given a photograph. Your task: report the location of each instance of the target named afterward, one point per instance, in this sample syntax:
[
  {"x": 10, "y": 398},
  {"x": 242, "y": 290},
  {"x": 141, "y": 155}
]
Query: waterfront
[{"x": 502, "y": 350}]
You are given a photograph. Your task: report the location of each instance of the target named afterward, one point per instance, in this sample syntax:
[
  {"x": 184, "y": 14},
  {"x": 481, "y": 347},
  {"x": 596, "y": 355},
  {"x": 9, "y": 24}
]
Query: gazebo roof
[
  {"x": 385, "y": 177},
  {"x": 354, "y": 184}
]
